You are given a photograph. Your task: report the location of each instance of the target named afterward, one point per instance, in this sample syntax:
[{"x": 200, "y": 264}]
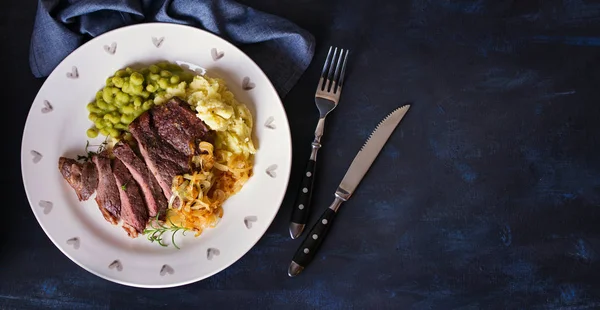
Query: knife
[{"x": 359, "y": 167}]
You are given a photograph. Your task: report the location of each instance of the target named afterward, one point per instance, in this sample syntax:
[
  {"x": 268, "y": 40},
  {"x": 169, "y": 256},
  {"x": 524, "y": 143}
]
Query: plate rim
[{"x": 227, "y": 264}]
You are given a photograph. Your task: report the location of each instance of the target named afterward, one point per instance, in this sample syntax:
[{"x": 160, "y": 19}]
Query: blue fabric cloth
[{"x": 282, "y": 49}]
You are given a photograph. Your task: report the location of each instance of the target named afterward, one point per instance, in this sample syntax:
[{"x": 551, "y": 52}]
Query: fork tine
[
  {"x": 343, "y": 70},
  {"x": 336, "y": 75},
  {"x": 331, "y": 70},
  {"x": 322, "y": 80},
  {"x": 326, "y": 65}
]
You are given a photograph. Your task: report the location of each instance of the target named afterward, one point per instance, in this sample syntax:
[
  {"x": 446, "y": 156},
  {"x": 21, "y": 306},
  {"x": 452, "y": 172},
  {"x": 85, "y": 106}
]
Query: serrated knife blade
[
  {"x": 367, "y": 154},
  {"x": 358, "y": 168}
]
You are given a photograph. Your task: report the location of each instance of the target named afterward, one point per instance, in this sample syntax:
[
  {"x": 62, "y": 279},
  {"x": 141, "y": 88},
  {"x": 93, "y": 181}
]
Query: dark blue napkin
[{"x": 282, "y": 49}]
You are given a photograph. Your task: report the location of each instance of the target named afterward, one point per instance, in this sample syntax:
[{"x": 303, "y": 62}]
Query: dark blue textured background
[{"x": 486, "y": 197}]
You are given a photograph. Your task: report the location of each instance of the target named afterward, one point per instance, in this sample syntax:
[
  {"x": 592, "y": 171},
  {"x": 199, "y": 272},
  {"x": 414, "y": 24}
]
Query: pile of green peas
[{"x": 128, "y": 94}]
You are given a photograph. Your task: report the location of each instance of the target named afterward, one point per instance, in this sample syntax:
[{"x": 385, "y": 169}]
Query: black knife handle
[
  {"x": 302, "y": 205},
  {"x": 314, "y": 239}
]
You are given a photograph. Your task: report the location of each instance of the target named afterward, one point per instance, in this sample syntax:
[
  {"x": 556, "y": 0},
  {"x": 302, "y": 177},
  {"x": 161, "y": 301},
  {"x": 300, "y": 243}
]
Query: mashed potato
[{"x": 217, "y": 107}]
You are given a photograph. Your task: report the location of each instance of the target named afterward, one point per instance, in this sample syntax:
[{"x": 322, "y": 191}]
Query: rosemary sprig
[
  {"x": 156, "y": 233},
  {"x": 90, "y": 154}
]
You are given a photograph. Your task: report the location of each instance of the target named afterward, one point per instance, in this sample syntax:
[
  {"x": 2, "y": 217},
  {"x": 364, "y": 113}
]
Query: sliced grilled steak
[
  {"x": 83, "y": 177},
  {"x": 162, "y": 159},
  {"x": 155, "y": 200},
  {"x": 177, "y": 124},
  {"x": 133, "y": 210},
  {"x": 107, "y": 195}
]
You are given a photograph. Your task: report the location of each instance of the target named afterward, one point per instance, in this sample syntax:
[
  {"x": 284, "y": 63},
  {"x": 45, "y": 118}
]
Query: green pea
[
  {"x": 151, "y": 88},
  {"x": 93, "y": 117},
  {"x": 108, "y": 124},
  {"x": 118, "y": 81},
  {"x": 119, "y": 104},
  {"x": 174, "y": 79},
  {"x": 99, "y": 94},
  {"x": 91, "y": 106},
  {"x": 109, "y": 82},
  {"x": 137, "y": 104},
  {"x": 101, "y": 104},
  {"x": 125, "y": 87},
  {"x": 92, "y": 133},
  {"x": 113, "y": 132},
  {"x": 165, "y": 73},
  {"x": 104, "y": 132},
  {"x": 107, "y": 94},
  {"x": 123, "y": 97},
  {"x": 129, "y": 70},
  {"x": 147, "y": 105},
  {"x": 137, "y": 113},
  {"x": 145, "y": 71},
  {"x": 137, "y": 79},
  {"x": 121, "y": 126},
  {"x": 163, "y": 83},
  {"x": 112, "y": 108},
  {"x": 145, "y": 94},
  {"x": 128, "y": 109},
  {"x": 126, "y": 119},
  {"x": 154, "y": 69},
  {"x": 163, "y": 64},
  {"x": 121, "y": 73},
  {"x": 133, "y": 89},
  {"x": 154, "y": 77}
]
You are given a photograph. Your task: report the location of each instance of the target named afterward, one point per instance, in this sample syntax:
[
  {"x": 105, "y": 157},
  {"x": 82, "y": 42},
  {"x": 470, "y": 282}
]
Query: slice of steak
[
  {"x": 107, "y": 195},
  {"x": 177, "y": 124},
  {"x": 155, "y": 200},
  {"x": 162, "y": 159},
  {"x": 83, "y": 177},
  {"x": 133, "y": 210}
]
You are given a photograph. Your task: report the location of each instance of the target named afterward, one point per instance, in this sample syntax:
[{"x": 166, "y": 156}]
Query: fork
[{"x": 327, "y": 97}]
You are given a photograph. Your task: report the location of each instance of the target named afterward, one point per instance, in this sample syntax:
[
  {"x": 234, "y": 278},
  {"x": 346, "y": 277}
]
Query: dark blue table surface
[{"x": 486, "y": 197}]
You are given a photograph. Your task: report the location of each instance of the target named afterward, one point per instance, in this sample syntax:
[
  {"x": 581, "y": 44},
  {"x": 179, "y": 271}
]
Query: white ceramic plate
[{"x": 57, "y": 124}]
